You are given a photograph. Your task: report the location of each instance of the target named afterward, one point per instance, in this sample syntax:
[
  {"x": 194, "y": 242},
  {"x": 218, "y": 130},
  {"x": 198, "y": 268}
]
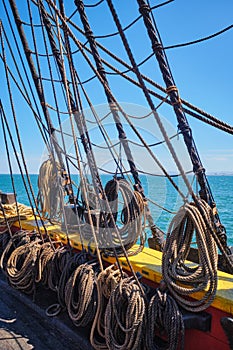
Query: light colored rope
[
  {"x": 80, "y": 294},
  {"x": 107, "y": 281},
  {"x": 124, "y": 316},
  {"x": 50, "y": 195}
]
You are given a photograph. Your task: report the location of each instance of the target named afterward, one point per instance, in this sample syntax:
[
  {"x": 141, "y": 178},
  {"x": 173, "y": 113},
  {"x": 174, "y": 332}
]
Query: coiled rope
[
  {"x": 46, "y": 254},
  {"x": 70, "y": 265},
  {"x": 21, "y": 266},
  {"x": 56, "y": 267},
  {"x": 50, "y": 194},
  {"x": 107, "y": 281},
  {"x": 13, "y": 211},
  {"x": 164, "y": 317},
  {"x": 18, "y": 239},
  {"x": 130, "y": 215},
  {"x": 80, "y": 297},
  {"x": 125, "y": 316},
  {"x": 183, "y": 279}
]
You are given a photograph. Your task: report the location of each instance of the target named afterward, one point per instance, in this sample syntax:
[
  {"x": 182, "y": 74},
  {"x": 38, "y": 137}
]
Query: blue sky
[{"x": 203, "y": 73}]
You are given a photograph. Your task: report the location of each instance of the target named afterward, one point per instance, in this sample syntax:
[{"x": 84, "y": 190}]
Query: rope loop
[
  {"x": 127, "y": 216},
  {"x": 183, "y": 278},
  {"x": 164, "y": 317},
  {"x": 80, "y": 295},
  {"x": 53, "y": 310},
  {"x": 144, "y": 9},
  {"x": 107, "y": 281}
]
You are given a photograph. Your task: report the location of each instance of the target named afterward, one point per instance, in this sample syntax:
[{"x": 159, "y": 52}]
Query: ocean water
[{"x": 221, "y": 187}]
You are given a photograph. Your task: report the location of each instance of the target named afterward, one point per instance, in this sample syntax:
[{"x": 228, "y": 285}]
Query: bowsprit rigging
[{"x": 111, "y": 174}]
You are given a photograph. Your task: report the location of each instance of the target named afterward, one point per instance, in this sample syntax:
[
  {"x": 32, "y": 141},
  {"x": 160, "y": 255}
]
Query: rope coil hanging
[
  {"x": 125, "y": 316},
  {"x": 164, "y": 317},
  {"x": 80, "y": 295},
  {"x": 107, "y": 281},
  {"x": 43, "y": 263},
  {"x": 69, "y": 266},
  {"x": 130, "y": 215},
  {"x": 21, "y": 267},
  {"x": 182, "y": 278},
  {"x": 50, "y": 194}
]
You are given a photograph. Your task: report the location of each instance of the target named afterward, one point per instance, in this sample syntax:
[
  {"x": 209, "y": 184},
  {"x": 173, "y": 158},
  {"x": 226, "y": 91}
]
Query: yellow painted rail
[{"x": 148, "y": 263}]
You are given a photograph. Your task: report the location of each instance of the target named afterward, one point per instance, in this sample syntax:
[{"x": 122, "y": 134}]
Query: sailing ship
[{"x": 84, "y": 234}]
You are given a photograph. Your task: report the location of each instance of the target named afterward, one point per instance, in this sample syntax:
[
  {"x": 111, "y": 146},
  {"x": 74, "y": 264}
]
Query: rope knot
[
  {"x": 156, "y": 46},
  {"x": 184, "y": 128},
  {"x": 144, "y": 9},
  {"x": 113, "y": 106},
  {"x": 200, "y": 170},
  {"x": 171, "y": 88}
]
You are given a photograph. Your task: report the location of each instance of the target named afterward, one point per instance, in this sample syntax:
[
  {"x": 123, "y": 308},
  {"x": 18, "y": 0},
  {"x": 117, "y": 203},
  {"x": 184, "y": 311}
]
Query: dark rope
[
  {"x": 199, "y": 40},
  {"x": 94, "y": 5},
  {"x": 218, "y": 124},
  {"x": 205, "y": 191},
  {"x": 164, "y": 317},
  {"x": 77, "y": 116},
  {"x": 36, "y": 114},
  {"x": 100, "y": 69},
  {"x": 9, "y": 164},
  {"x": 67, "y": 176},
  {"x": 35, "y": 77}
]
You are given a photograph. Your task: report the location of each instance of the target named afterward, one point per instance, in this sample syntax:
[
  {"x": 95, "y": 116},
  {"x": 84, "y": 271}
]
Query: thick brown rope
[
  {"x": 21, "y": 267},
  {"x": 45, "y": 256},
  {"x": 183, "y": 278},
  {"x": 125, "y": 316},
  {"x": 80, "y": 297},
  {"x": 164, "y": 317},
  {"x": 107, "y": 281}
]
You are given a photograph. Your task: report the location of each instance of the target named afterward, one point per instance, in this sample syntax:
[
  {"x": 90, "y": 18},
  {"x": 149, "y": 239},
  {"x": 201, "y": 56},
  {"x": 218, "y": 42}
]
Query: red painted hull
[{"x": 213, "y": 340}]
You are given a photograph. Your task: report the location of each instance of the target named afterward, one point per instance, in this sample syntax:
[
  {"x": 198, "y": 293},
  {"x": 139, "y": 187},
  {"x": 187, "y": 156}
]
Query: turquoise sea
[{"x": 221, "y": 187}]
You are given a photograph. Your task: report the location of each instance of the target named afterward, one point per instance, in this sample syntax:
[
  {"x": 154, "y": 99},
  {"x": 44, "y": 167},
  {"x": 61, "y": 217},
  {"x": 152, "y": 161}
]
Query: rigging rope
[
  {"x": 113, "y": 108},
  {"x": 199, "y": 40},
  {"x": 219, "y": 124}
]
